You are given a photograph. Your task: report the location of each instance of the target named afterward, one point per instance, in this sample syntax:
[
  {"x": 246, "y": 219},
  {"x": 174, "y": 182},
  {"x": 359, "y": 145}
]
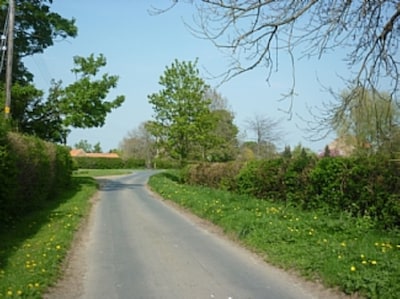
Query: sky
[{"x": 138, "y": 48}]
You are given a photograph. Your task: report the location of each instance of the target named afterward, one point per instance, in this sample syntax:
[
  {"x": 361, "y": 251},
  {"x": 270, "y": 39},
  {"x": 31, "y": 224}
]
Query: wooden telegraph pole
[{"x": 10, "y": 53}]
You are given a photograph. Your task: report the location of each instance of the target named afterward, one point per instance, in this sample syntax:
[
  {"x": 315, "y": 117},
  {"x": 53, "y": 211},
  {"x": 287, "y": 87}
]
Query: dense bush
[
  {"x": 32, "y": 171},
  {"x": 98, "y": 163},
  {"x": 360, "y": 186},
  {"x": 214, "y": 175},
  {"x": 263, "y": 179}
]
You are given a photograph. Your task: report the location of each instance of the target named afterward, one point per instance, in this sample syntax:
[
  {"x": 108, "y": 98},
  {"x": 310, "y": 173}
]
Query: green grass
[
  {"x": 101, "y": 172},
  {"x": 336, "y": 249},
  {"x": 32, "y": 250}
]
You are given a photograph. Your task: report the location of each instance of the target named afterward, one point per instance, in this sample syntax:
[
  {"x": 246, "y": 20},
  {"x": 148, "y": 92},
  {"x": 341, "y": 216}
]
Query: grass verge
[
  {"x": 32, "y": 250},
  {"x": 338, "y": 250}
]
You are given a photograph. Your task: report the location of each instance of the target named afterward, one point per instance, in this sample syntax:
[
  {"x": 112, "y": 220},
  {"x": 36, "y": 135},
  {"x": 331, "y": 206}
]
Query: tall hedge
[
  {"x": 361, "y": 186},
  {"x": 32, "y": 171}
]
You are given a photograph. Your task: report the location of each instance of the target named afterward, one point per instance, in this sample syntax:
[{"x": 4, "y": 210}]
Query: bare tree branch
[{"x": 251, "y": 31}]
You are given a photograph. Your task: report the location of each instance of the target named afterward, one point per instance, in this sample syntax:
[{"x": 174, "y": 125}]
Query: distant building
[{"x": 81, "y": 153}]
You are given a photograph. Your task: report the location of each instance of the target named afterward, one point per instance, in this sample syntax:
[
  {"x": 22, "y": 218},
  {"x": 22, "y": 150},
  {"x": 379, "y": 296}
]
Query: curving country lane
[{"x": 138, "y": 246}]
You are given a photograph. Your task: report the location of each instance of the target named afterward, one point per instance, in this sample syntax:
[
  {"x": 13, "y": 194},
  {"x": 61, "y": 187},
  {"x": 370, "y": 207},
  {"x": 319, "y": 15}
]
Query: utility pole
[{"x": 10, "y": 53}]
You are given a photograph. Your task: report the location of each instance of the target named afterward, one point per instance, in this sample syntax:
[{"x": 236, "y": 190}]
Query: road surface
[{"x": 138, "y": 246}]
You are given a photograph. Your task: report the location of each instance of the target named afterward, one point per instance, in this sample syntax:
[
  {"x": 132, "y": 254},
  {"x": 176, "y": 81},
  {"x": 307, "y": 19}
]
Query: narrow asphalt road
[{"x": 140, "y": 247}]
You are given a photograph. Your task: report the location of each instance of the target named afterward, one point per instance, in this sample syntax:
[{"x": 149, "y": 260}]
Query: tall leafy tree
[
  {"x": 224, "y": 144},
  {"x": 182, "y": 118},
  {"x": 83, "y": 103}
]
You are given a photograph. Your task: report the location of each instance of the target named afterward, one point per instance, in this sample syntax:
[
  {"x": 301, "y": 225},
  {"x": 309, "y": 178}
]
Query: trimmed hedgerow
[
  {"x": 99, "y": 163},
  {"x": 32, "y": 171},
  {"x": 360, "y": 186}
]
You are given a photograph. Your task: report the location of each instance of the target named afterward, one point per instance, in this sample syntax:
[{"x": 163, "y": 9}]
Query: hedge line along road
[{"x": 139, "y": 246}]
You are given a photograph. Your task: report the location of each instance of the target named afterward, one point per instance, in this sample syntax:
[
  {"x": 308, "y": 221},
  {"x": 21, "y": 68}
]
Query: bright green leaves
[
  {"x": 183, "y": 120},
  {"x": 83, "y": 102}
]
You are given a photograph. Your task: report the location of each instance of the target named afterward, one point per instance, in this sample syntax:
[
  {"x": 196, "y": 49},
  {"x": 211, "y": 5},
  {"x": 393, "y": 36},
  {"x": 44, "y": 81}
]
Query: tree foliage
[
  {"x": 36, "y": 28},
  {"x": 83, "y": 102},
  {"x": 369, "y": 120},
  {"x": 182, "y": 118},
  {"x": 255, "y": 32}
]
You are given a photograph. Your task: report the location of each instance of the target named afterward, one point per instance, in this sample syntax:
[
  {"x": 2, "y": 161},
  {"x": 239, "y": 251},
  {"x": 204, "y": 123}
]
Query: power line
[{"x": 3, "y": 40}]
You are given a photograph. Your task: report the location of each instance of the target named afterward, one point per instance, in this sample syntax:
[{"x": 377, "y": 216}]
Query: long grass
[
  {"x": 338, "y": 250},
  {"x": 32, "y": 249}
]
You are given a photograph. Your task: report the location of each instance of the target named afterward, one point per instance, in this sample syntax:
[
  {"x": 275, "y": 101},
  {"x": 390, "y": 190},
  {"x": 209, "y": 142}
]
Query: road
[{"x": 141, "y": 247}]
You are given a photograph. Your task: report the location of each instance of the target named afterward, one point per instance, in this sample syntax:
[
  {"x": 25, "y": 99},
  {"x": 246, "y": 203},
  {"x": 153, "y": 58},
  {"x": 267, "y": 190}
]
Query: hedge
[
  {"x": 32, "y": 172},
  {"x": 360, "y": 186}
]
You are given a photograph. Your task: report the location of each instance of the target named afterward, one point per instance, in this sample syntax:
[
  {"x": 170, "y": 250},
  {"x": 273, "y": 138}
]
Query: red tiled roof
[{"x": 82, "y": 153}]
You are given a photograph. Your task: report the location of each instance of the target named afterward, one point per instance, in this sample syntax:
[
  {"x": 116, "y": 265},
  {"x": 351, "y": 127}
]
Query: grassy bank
[
  {"x": 336, "y": 249},
  {"x": 32, "y": 249}
]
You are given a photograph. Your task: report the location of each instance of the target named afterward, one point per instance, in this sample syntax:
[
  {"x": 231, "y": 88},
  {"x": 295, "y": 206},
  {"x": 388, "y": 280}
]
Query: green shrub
[
  {"x": 32, "y": 171},
  {"x": 214, "y": 175},
  {"x": 99, "y": 163},
  {"x": 263, "y": 179},
  {"x": 133, "y": 163}
]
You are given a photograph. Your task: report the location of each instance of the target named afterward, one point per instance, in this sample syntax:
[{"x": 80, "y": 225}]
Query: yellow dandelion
[
  {"x": 58, "y": 247},
  {"x": 19, "y": 292},
  {"x": 37, "y": 284},
  {"x": 9, "y": 293},
  {"x": 373, "y": 263},
  {"x": 352, "y": 268},
  {"x": 343, "y": 244},
  {"x": 364, "y": 262}
]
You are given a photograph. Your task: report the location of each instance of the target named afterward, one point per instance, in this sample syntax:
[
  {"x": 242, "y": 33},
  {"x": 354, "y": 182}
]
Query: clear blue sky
[{"x": 138, "y": 47}]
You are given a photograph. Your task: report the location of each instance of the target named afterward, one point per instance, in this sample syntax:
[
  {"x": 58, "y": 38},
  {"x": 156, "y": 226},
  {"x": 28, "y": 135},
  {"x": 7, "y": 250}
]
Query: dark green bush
[
  {"x": 263, "y": 179},
  {"x": 133, "y": 163},
  {"x": 360, "y": 186},
  {"x": 32, "y": 172},
  {"x": 99, "y": 163},
  {"x": 214, "y": 175}
]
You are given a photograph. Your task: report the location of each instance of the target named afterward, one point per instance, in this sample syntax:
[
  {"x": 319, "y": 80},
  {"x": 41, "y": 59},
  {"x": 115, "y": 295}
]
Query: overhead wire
[{"x": 3, "y": 40}]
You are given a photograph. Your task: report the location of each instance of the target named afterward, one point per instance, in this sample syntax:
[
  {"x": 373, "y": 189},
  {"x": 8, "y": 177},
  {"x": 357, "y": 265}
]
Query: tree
[
  {"x": 367, "y": 120},
  {"x": 139, "y": 144},
  {"x": 81, "y": 104},
  {"x": 267, "y": 132},
  {"x": 253, "y": 32},
  {"x": 84, "y": 145},
  {"x": 182, "y": 119},
  {"x": 223, "y": 145},
  {"x": 97, "y": 148},
  {"x": 36, "y": 28}
]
